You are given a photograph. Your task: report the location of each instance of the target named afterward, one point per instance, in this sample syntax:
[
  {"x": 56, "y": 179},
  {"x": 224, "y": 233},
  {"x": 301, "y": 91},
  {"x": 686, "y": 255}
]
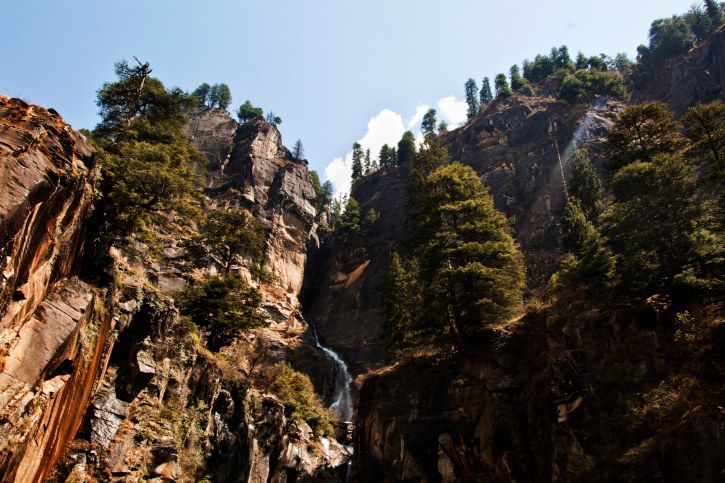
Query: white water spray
[{"x": 343, "y": 382}]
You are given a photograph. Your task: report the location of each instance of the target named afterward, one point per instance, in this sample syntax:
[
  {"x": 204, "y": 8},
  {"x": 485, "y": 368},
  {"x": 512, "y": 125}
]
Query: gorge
[{"x": 105, "y": 375}]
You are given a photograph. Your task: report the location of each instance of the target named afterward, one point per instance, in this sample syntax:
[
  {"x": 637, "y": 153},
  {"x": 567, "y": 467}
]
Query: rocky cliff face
[
  {"x": 55, "y": 333},
  {"x": 106, "y": 383},
  {"x": 696, "y": 76},
  {"x": 513, "y": 146}
]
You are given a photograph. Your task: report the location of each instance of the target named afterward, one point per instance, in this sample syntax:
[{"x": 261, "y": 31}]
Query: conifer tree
[
  {"x": 442, "y": 127},
  {"x": 201, "y": 94},
  {"x": 472, "y": 98},
  {"x": 406, "y": 149},
  {"x": 714, "y": 11},
  {"x": 404, "y": 299},
  {"x": 641, "y": 132},
  {"x": 367, "y": 165},
  {"x": 486, "y": 94},
  {"x": 471, "y": 269},
  {"x": 298, "y": 151},
  {"x": 704, "y": 126},
  {"x": 589, "y": 265},
  {"x": 247, "y": 112},
  {"x": 223, "y": 95},
  {"x": 357, "y": 161},
  {"x": 349, "y": 228},
  {"x": 503, "y": 90},
  {"x": 387, "y": 157},
  {"x": 428, "y": 124},
  {"x": 585, "y": 185}
]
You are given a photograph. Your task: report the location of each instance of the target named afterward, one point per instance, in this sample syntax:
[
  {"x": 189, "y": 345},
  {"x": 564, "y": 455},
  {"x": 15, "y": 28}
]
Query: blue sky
[{"x": 335, "y": 71}]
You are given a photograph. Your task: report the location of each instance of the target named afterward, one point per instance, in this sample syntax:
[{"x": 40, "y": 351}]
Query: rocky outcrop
[
  {"x": 250, "y": 167},
  {"x": 696, "y": 76},
  {"x": 54, "y": 330},
  {"x": 549, "y": 398}
]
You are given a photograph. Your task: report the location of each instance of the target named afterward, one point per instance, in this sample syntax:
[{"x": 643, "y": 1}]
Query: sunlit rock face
[
  {"x": 53, "y": 328},
  {"x": 250, "y": 167}
]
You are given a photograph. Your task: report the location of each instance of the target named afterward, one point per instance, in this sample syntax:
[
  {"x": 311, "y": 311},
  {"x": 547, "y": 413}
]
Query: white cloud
[
  {"x": 414, "y": 123},
  {"x": 453, "y": 110},
  {"x": 387, "y": 127},
  {"x": 384, "y": 128}
]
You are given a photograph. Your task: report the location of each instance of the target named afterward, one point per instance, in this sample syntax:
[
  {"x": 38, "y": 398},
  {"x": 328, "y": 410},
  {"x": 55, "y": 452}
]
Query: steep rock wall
[{"x": 54, "y": 332}]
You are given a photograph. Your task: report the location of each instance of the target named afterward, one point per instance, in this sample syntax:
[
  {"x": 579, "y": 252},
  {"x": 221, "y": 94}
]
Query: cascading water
[{"x": 343, "y": 382}]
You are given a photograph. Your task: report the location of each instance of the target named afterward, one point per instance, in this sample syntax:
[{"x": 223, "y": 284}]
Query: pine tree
[
  {"x": 704, "y": 126},
  {"x": 714, "y": 11},
  {"x": 201, "y": 94},
  {"x": 404, "y": 299},
  {"x": 589, "y": 265},
  {"x": 517, "y": 82},
  {"x": 367, "y": 166},
  {"x": 247, "y": 112},
  {"x": 387, "y": 157},
  {"x": 298, "y": 151},
  {"x": 428, "y": 124},
  {"x": 585, "y": 185},
  {"x": 223, "y": 95},
  {"x": 273, "y": 119},
  {"x": 406, "y": 149},
  {"x": 357, "y": 161},
  {"x": 442, "y": 127},
  {"x": 503, "y": 90},
  {"x": 472, "y": 98},
  {"x": 652, "y": 225},
  {"x": 349, "y": 228},
  {"x": 486, "y": 94},
  {"x": 641, "y": 132},
  {"x": 582, "y": 61},
  {"x": 471, "y": 269}
]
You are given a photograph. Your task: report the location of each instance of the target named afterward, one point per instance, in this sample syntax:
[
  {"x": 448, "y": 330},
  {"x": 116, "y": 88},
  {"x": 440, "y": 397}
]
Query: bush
[{"x": 585, "y": 84}]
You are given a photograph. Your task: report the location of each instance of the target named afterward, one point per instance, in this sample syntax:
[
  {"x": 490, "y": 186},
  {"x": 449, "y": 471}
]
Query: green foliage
[
  {"x": 367, "y": 165},
  {"x": 704, "y": 126},
  {"x": 503, "y": 90},
  {"x": 201, "y": 94},
  {"x": 224, "y": 235},
  {"x": 368, "y": 222},
  {"x": 142, "y": 181},
  {"x": 428, "y": 124},
  {"x": 138, "y": 107},
  {"x": 472, "y": 98},
  {"x": 324, "y": 191},
  {"x": 406, "y": 149},
  {"x": 404, "y": 299},
  {"x": 585, "y": 185},
  {"x": 357, "y": 161},
  {"x": 247, "y": 112},
  {"x": 296, "y": 392},
  {"x": 518, "y": 83},
  {"x": 349, "y": 228},
  {"x": 560, "y": 58},
  {"x": 470, "y": 268},
  {"x": 652, "y": 224},
  {"x": 220, "y": 96},
  {"x": 641, "y": 132},
  {"x": 224, "y": 305},
  {"x": 442, "y": 127},
  {"x": 584, "y": 84},
  {"x": 273, "y": 119},
  {"x": 589, "y": 264},
  {"x": 538, "y": 70},
  {"x": 486, "y": 93},
  {"x": 388, "y": 157}
]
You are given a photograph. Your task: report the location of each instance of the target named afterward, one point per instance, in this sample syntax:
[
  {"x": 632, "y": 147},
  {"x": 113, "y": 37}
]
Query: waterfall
[{"x": 343, "y": 382}]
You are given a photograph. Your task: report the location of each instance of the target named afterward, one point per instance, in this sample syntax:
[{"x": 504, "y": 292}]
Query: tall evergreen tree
[
  {"x": 442, "y": 126},
  {"x": 486, "y": 93},
  {"x": 387, "y": 157},
  {"x": 471, "y": 269},
  {"x": 223, "y": 95},
  {"x": 503, "y": 90},
  {"x": 349, "y": 228},
  {"x": 518, "y": 83},
  {"x": 641, "y": 132},
  {"x": 472, "y": 98},
  {"x": 714, "y": 11},
  {"x": 201, "y": 94},
  {"x": 404, "y": 299},
  {"x": 428, "y": 124},
  {"x": 406, "y": 148},
  {"x": 585, "y": 185},
  {"x": 704, "y": 126},
  {"x": 367, "y": 165},
  {"x": 298, "y": 151},
  {"x": 357, "y": 161}
]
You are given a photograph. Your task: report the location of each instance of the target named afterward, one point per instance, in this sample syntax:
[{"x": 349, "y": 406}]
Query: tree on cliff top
[
  {"x": 247, "y": 112},
  {"x": 472, "y": 98},
  {"x": 486, "y": 94},
  {"x": 220, "y": 96},
  {"x": 428, "y": 124},
  {"x": 357, "y": 161},
  {"x": 406, "y": 149}
]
